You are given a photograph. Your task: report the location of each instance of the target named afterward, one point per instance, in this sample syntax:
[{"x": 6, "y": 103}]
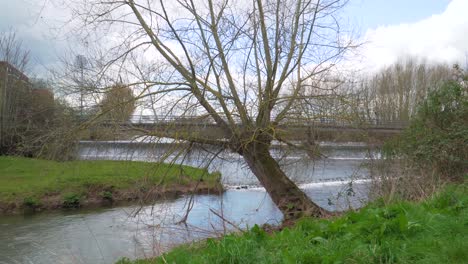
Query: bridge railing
[
  {"x": 319, "y": 122},
  {"x": 152, "y": 119},
  {"x": 361, "y": 123}
]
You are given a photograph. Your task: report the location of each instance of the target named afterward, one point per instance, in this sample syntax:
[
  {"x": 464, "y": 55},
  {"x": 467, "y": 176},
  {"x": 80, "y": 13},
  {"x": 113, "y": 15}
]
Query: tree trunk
[{"x": 292, "y": 202}]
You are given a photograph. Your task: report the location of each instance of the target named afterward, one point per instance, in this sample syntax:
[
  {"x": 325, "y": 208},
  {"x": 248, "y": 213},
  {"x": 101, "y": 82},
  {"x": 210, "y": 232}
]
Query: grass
[
  {"x": 433, "y": 231},
  {"x": 29, "y": 180}
]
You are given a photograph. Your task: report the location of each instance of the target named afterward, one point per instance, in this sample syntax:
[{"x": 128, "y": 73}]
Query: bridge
[{"x": 291, "y": 129}]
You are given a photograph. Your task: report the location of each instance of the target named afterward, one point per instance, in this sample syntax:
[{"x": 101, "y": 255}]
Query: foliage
[
  {"x": 433, "y": 231},
  {"x": 31, "y": 202},
  {"x": 23, "y": 178},
  {"x": 437, "y": 137},
  {"x": 107, "y": 195},
  {"x": 118, "y": 103},
  {"x": 71, "y": 200}
]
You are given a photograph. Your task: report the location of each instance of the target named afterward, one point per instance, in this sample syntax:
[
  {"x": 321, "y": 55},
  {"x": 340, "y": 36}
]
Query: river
[{"x": 105, "y": 235}]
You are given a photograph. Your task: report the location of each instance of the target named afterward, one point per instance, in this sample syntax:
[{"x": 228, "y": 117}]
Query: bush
[
  {"x": 71, "y": 200},
  {"x": 107, "y": 195},
  {"x": 31, "y": 202},
  {"x": 436, "y": 140}
]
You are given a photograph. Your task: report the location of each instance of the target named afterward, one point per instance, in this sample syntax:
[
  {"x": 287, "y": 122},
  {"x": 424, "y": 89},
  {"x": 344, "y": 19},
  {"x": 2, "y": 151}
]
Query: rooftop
[{"x": 12, "y": 71}]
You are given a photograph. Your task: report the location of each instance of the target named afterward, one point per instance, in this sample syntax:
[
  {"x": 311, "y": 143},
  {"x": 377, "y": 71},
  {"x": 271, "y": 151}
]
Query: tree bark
[{"x": 292, "y": 202}]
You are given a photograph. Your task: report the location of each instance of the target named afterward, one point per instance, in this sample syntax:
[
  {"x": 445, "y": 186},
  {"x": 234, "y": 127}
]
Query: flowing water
[{"x": 105, "y": 235}]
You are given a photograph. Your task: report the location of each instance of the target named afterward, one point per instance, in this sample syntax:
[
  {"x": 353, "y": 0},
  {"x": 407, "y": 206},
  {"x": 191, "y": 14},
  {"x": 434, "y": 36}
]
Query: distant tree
[
  {"x": 118, "y": 103},
  {"x": 32, "y": 122},
  {"x": 52, "y": 136},
  {"x": 395, "y": 92},
  {"x": 14, "y": 91},
  {"x": 42, "y": 102},
  {"x": 12, "y": 50}
]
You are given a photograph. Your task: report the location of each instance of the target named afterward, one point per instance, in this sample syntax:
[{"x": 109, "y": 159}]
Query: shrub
[
  {"x": 71, "y": 200},
  {"x": 107, "y": 195},
  {"x": 436, "y": 140},
  {"x": 31, "y": 202}
]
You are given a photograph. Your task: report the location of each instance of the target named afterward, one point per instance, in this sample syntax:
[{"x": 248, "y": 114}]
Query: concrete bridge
[{"x": 292, "y": 129}]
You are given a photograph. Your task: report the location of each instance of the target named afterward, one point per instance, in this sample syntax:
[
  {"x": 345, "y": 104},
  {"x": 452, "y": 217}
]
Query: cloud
[
  {"x": 441, "y": 38},
  {"x": 35, "y": 23}
]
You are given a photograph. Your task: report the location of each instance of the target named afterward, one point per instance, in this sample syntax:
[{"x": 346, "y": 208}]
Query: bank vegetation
[{"x": 28, "y": 185}]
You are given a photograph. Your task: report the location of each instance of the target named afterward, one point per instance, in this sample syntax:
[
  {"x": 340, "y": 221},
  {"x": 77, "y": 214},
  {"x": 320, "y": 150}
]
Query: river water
[{"x": 105, "y": 235}]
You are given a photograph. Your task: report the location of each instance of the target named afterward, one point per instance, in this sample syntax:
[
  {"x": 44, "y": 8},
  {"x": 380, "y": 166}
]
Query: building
[
  {"x": 11, "y": 79},
  {"x": 15, "y": 90}
]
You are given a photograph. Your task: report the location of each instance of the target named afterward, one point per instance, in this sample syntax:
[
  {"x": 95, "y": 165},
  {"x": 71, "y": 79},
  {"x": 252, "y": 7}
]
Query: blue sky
[
  {"x": 374, "y": 13},
  {"x": 392, "y": 28},
  {"x": 434, "y": 30}
]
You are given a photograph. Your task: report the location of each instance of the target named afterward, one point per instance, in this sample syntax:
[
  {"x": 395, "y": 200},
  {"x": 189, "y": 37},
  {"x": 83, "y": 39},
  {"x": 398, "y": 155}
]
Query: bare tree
[
  {"x": 394, "y": 93},
  {"x": 12, "y": 50},
  {"x": 14, "y": 90},
  {"x": 243, "y": 64}
]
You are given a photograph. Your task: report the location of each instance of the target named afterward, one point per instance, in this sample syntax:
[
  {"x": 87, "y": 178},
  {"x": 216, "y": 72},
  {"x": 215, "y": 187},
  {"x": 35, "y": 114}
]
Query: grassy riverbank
[
  {"x": 433, "y": 231},
  {"x": 43, "y": 184}
]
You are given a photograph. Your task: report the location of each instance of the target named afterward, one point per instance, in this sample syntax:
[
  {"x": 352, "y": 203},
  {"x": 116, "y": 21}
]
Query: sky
[
  {"x": 436, "y": 30},
  {"x": 375, "y": 13}
]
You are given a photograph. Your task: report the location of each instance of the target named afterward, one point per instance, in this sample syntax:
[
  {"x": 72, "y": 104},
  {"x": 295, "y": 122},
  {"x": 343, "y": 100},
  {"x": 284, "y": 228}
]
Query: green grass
[
  {"x": 24, "y": 179},
  {"x": 433, "y": 231}
]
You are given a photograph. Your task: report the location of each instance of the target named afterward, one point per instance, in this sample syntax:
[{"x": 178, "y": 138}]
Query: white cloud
[
  {"x": 441, "y": 38},
  {"x": 37, "y": 24}
]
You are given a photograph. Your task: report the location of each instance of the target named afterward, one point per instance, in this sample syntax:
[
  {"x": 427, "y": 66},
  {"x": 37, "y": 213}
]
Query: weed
[
  {"x": 107, "y": 195},
  {"x": 31, "y": 202},
  {"x": 71, "y": 200},
  {"x": 438, "y": 134}
]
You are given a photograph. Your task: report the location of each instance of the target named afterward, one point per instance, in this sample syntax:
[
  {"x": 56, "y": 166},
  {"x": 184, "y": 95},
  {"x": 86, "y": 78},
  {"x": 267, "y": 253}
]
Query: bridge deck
[
  {"x": 149, "y": 120},
  {"x": 319, "y": 129}
]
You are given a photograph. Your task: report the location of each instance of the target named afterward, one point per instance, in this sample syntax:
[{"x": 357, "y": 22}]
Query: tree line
[{"x": 36, "y": 123}]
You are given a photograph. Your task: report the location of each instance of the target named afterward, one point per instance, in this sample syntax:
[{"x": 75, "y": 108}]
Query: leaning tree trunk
[{"x": 292, "y": 202}]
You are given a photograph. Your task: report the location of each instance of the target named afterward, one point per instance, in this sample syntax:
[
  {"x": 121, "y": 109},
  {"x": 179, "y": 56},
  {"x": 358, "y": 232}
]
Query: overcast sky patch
[{"x": 432, "y": 29}]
